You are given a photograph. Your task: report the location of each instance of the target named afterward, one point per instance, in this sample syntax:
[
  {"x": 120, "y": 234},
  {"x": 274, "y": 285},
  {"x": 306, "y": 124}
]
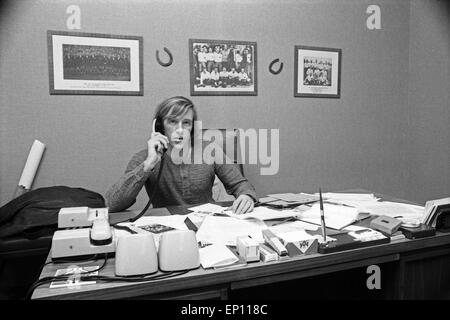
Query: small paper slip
[
  {"x": 194, "y": 220},
  {"x": 216, "y": 255},
  {"x": 208, "y": 208},
  {"x": 336, "y": 216},
  {"x": 263, "y": 213},
  {"x": 355, "y": 228},
  {"x": 74, "y": 277},
  {"x": 366, "y": 235}
]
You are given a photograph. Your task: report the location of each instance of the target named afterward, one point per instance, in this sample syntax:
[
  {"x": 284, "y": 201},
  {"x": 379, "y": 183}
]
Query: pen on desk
[{"x": 322, "y": 217}]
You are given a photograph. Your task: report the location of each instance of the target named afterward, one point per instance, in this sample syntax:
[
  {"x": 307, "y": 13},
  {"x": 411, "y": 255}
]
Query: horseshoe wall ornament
[
  {"x": 164, "y": 64},
  {"x": 279, "y": 68}
]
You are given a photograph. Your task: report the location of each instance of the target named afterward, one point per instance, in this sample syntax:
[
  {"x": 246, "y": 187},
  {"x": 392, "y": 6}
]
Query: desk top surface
[{"x": 200, "y": 277}]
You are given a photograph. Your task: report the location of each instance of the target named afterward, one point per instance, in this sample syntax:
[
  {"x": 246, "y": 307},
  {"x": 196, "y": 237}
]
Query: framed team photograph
[
  {"x": 222, "y": 67},
  {"x": 95, "y": 64},
  {"x": 317, "y": 72}
]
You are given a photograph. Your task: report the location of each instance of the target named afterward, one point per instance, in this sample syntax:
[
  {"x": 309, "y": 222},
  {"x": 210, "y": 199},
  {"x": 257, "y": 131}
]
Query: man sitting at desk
[{"x": 180, "y": 182}]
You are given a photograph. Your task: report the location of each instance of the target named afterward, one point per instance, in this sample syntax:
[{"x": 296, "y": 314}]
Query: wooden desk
[
  {"x": 417, "y": 274},
  {"x": 411, "y": 269}
]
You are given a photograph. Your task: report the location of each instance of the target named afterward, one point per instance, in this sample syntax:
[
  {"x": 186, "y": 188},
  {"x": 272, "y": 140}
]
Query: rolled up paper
[{"x": 32, "y": 164}]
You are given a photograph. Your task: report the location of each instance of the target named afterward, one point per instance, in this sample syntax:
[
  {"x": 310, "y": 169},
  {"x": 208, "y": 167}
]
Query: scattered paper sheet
[
  {"x": 225, "y": 230},
  {"x": 393, "y": 209},
  {"x": 294, "y": 197},
  {"x": 294, "y": 236},
  {"x": 208, "y": 208},
  {"x": 266, "y": 199},
  {"x": 355, "y": 228},
  {"x": 263, "y": 213},
  {"x": 336, "y": 216},
  {"x": 359, "y": 204},
  {"x": 291, "y": 226},
  {"x": 216, "y": 255},
  {"x": 349, "y": 196},
  {"x": 300, "y": 236}
]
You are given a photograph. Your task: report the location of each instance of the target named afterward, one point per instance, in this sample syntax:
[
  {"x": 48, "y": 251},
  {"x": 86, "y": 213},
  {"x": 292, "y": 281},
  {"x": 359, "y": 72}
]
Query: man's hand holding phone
[{"x": 156, "y": 146}]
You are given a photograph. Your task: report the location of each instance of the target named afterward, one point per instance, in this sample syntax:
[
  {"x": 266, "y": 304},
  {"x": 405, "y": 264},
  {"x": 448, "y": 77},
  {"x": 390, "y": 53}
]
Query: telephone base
[{"x": 77, "y": 242}]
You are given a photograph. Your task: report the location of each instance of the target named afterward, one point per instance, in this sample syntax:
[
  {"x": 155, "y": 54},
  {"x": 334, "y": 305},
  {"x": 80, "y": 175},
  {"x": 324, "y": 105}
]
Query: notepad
[{"x": 216, "y": 255}]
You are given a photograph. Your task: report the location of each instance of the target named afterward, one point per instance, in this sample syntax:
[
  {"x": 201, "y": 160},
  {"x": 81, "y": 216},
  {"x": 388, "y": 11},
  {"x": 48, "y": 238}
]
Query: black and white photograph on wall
[
  {"x": 317, "y": 72},
  {"x": 82, "y": 63},
  {"x": 222, "y": 67}
]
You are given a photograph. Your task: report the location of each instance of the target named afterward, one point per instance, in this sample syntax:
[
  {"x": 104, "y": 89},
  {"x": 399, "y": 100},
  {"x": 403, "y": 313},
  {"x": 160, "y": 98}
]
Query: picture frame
[
  {"x": 317, "y": 72},
  {"x": 223, "y": 67},
  {"x": 95, "y": 64}
]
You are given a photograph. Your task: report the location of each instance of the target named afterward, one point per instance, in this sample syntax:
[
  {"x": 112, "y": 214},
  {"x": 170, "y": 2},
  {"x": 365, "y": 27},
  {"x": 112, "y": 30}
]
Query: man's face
[{"x": 178, "y": 130}]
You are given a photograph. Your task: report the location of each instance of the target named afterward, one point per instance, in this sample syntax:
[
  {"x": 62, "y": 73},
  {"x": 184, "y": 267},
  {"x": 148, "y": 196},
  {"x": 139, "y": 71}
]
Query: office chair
[{"x": 223, "y": 136}]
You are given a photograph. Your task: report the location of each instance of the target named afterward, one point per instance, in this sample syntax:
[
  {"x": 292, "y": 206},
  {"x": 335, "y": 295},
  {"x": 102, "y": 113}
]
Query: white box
[{"x": 247, "y": 248}]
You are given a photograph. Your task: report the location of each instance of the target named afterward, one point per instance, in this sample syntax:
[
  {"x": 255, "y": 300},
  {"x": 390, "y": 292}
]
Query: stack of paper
[
  {"x": 433, "y": 209},
  {"x": 336, "y": 216}
]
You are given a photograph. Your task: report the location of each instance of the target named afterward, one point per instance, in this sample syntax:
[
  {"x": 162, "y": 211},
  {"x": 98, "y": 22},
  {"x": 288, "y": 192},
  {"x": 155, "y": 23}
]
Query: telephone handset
[{"x": 157, "y": 127}]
